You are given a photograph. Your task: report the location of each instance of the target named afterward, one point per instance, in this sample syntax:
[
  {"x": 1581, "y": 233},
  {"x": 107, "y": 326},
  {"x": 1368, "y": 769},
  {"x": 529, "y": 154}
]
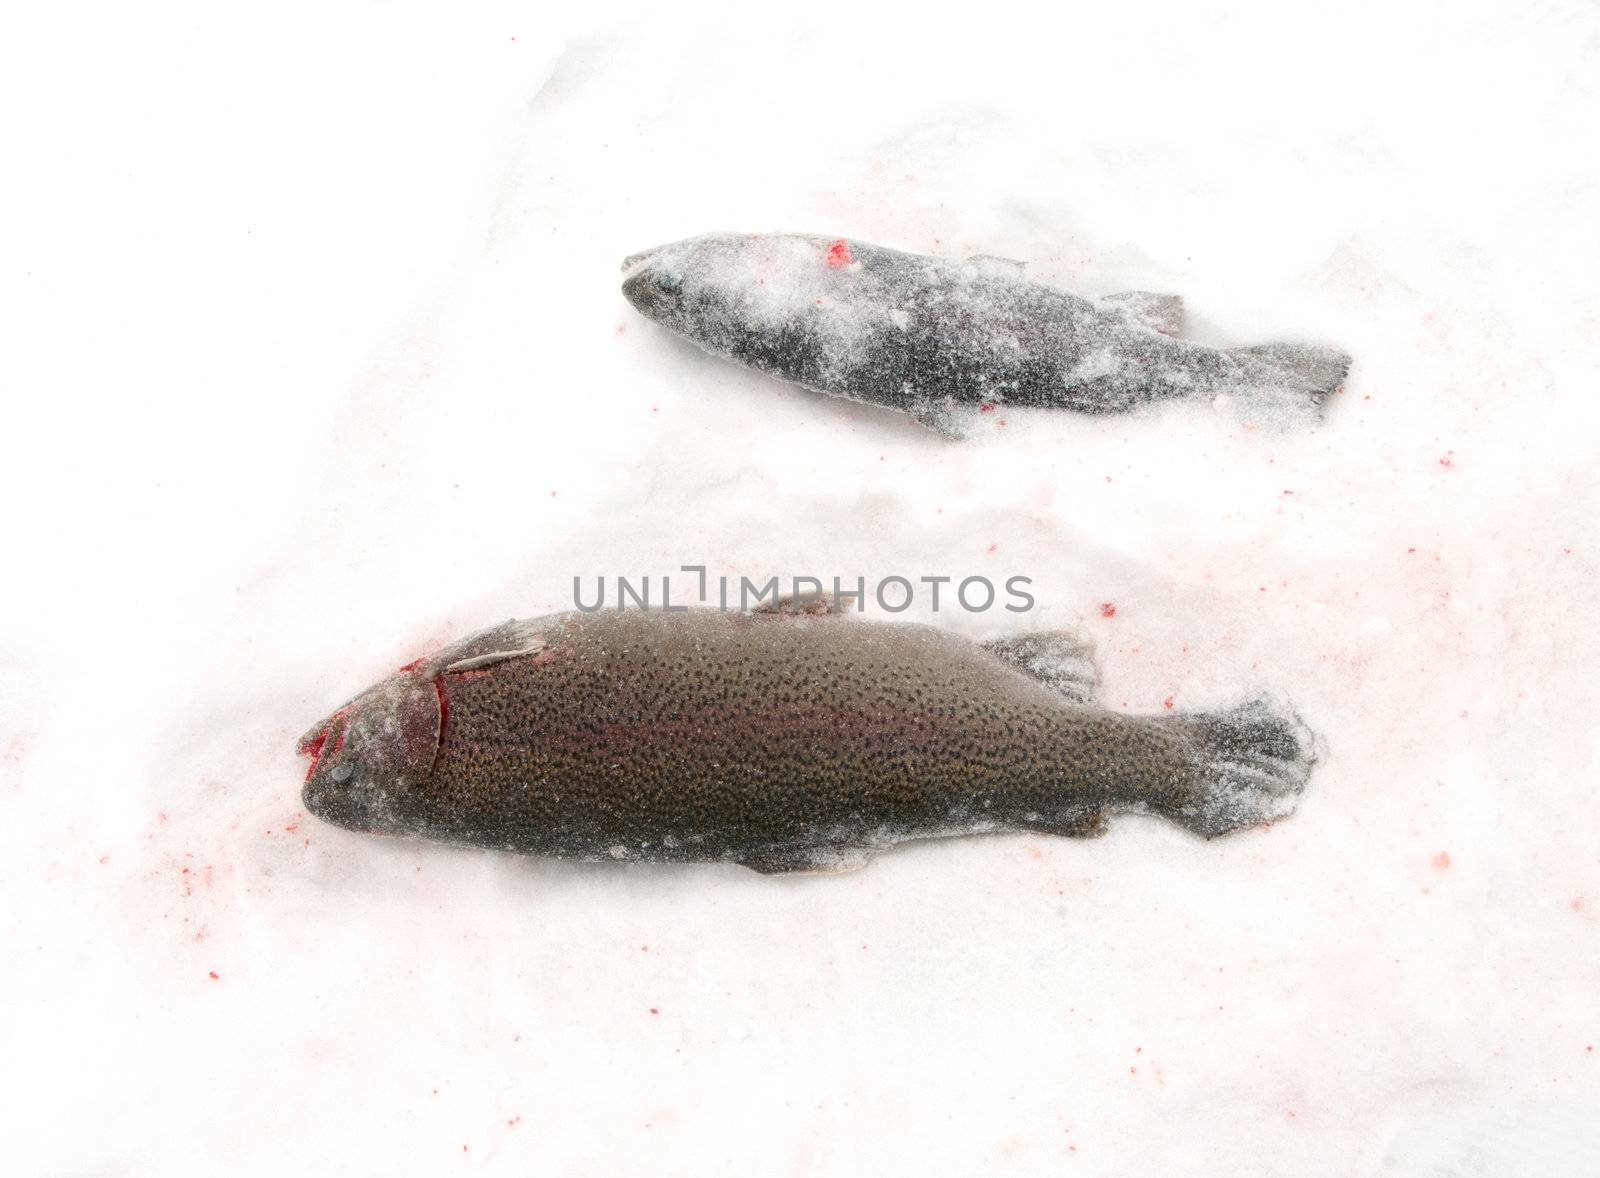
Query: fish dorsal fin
[
  {"x": 998, "y": 262},
  {"x": 1158, "y": 312},
  {"x": 813, "y": 603},
  {"x": 479, "y": 661},
  {"x": 1059, "y": 659}
]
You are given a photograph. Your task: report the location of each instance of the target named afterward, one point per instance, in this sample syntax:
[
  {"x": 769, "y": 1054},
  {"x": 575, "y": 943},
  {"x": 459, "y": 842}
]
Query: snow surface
[{"x": 315, "y": 360}]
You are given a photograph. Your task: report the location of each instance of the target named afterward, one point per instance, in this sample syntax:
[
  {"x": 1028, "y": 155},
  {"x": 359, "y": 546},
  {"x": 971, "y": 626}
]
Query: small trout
[
  {"x": 943, "y": 338},
  {"x": 791, "y": 738}
]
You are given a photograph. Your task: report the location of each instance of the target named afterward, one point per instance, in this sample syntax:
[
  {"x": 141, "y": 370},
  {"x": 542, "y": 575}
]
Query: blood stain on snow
[
  {"x": 839, "y": 254},
  {"x": 1441, "y": 861},
  {"x": 214, "y": 976},
  {"x": 993, "y": 548},
  {"x": 1167, "y": 703},
  {"x": 1577, "y": 904},
  {"x": 986, "y": 407},
  {"x": 1448, "y": 461},
  {"x": 1108, "y": 610},
  {"x": 653, "y": 1010}
]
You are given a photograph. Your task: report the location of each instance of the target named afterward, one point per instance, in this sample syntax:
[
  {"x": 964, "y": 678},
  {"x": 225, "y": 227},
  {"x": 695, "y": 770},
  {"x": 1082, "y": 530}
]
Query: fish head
[
  {"x": 778, "y": 302},
  {"x": 719, "y": 288},
  {"x": 655, "y": 280},
  {"x": 371, "y": 759}
]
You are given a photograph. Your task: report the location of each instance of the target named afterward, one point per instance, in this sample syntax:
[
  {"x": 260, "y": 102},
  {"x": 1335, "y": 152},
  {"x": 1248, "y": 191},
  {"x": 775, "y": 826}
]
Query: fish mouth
[{"x": 315, "y": 741}]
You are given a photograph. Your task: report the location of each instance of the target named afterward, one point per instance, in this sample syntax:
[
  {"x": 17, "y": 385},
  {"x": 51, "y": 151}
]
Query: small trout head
[
  {"x": 371, "y": 758},
  {"x": 654, "y": 284},
  {"x": 731, "y": 292}
]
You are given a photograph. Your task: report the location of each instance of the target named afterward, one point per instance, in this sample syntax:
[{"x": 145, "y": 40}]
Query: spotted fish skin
[
  {"x": 939, "y": 337},
  {"x": 781, "y": 740}
]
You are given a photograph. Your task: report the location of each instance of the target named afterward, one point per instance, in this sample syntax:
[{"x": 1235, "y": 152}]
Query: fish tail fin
[
  {"x": 1250, "y": 765},
  {"x": 1304, "y": 372}
]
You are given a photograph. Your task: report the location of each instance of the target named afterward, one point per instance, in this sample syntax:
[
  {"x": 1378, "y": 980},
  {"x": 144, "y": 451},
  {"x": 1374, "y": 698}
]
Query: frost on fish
[
  {"x": 938, "y": 337},
  {"x": 785, "y": 739}
]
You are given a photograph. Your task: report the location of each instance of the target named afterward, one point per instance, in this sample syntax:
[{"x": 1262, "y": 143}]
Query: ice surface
[{"x": 315, "y": 362}]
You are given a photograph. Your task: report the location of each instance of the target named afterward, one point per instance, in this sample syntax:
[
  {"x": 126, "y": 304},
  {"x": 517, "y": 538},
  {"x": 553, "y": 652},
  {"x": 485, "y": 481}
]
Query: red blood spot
[
  {"x": 513, "y": 1122},
  {"x": 622, "y": 328},
  {"x": 1108, "y": 610},
  {"x": 986, "y": 407},
  {"x": 291, "y": 828},
  {"x": 644, "y": 948},
  {"x": 412, "y": 665},
  {"x": 215, "y": 976},
  {"x": 1447, "y": 459},
  {"x": 993, "y": 548},
  {"x": 653, "y": 1010},
  {"x": 1577, "y": 901},
  {"x": 1167, "y": 703},
  {"x": 1442, "y": 860},
  {"x": 819, "y": 302},
  {"x": 839, "y": 253}
]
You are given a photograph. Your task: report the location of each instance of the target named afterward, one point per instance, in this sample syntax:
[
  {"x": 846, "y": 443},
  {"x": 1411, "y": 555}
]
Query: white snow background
[{"x": 314, "y": 359}]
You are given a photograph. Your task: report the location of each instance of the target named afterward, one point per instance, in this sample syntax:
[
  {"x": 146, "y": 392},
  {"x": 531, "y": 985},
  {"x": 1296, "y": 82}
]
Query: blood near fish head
[{"x": 371, "y": 759}]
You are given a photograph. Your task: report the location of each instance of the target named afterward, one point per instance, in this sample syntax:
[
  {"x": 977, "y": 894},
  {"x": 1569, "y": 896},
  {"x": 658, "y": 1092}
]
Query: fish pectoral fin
[
  {"x": 1159, "y": 312},
  {"x": 478, "y": 662},
  {"x": 810, "y": 604},
  {"x": 806, "y": 860},
  {"x": 1059, "y": 659}
]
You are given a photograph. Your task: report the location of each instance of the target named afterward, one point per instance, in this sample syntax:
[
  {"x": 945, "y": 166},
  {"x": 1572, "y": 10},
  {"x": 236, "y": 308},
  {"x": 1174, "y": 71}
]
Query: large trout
[{"x": 794, "y": 738}]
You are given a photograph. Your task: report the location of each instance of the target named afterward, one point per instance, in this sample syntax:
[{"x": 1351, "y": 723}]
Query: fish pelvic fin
[
  {"x": 1060, "y": 659},
  {"x": 1158, "y": 312},
  {"x": 821, "y": 860},
  {"x": 1251, "y": 763}
]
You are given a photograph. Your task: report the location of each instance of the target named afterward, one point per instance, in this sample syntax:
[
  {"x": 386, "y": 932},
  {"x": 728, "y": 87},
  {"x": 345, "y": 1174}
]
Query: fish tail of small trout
[
  {"x": 1308, "y": 373},
  {"x": 1249, "y": 766}
]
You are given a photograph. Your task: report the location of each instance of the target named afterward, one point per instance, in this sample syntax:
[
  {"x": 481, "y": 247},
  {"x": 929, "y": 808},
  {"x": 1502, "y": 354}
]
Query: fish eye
[
  {"x": 343, "y": 773},
  {"x": 667, "y": 280}
]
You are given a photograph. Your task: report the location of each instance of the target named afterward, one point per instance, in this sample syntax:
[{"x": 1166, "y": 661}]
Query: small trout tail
[
  {"x": 1307, "y": 374},
  {"x": 1250, "y": 765}
]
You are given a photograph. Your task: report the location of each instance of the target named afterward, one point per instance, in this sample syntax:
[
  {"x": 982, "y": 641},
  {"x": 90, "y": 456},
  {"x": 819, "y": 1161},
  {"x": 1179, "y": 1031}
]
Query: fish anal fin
[
  {"x": 1059, "y": 659},
  {"x": 1159, "y": 312},
  {"x": 945, "y": 418}
]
